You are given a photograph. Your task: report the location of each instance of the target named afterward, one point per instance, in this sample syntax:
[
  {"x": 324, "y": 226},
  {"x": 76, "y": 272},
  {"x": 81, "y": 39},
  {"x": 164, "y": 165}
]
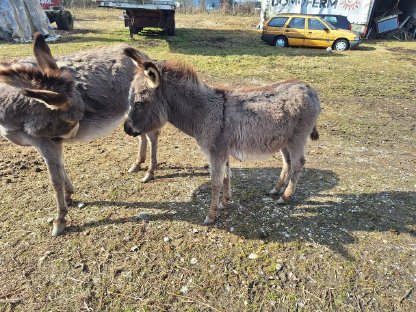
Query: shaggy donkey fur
[
  {"x": 43, "y": 105},
  {"x": 246, "y": 124}
]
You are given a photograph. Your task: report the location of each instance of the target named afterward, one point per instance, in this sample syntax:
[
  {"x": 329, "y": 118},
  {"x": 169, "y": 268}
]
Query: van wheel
[
  {"x": 281, "y": 42},
  {"x": 341, "y": 45}
]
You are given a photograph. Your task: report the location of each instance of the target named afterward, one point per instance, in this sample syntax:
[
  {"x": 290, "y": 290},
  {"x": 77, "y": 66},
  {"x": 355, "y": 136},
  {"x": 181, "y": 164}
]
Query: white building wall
[{"x": 357, "y": 11}]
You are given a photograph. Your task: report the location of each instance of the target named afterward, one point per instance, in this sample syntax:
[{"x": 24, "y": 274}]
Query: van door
[
  {"x": 295, "y": 31},
  {"x": 317, "y": 34}
]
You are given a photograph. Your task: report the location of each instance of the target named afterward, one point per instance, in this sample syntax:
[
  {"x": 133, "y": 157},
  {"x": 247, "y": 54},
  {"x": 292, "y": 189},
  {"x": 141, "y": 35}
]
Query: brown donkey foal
[
  {"x": 246, "y": 124},
  {"x": 43, "y": 105}
]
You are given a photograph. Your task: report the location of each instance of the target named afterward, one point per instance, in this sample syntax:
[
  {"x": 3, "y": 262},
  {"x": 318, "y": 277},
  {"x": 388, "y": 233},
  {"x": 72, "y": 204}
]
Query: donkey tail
[{"x": 315, "y": 134}]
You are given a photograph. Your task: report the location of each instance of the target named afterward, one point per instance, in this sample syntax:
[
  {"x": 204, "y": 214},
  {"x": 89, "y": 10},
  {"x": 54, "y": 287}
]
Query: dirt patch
[
  {"x": 402, "y": 50},
  {"x": 408, "y": 55}
]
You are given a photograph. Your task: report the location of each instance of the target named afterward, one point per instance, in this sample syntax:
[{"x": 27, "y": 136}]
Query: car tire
[
  {"x": 281, "y": 42},
  {"x": 64, "y": 21},
  {"x": 341, "y": 45}
]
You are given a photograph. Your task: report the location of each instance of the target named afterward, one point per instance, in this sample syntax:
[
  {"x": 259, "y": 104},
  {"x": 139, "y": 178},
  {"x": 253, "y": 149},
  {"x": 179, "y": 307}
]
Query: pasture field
[{"x": 347, "y": 241}]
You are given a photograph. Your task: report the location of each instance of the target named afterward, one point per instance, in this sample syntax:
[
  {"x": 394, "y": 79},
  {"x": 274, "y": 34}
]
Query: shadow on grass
[
  {"x": 184, "y": 172},
  {"x": 209, "y": 42},
  {"x": 314, "y": 215},
  {"x": 233, "y": 42},
  {"x": 72, "y": 39},
  {"x": 74, "y": 36},
  {"x": 77, "y": 31},
  {"x": 366, "y": 47}
]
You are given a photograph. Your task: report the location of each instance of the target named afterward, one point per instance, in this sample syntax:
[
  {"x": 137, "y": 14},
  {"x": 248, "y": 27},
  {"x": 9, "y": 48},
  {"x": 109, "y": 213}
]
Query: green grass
[{"x": 346, "y": 241}]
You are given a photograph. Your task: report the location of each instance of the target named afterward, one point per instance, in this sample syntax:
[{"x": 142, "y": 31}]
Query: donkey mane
[
  {"x": 16, "y": 75},
  {"x": 184, "y": 71},
  {"x": 270, "y": 87},
  {"x": 181, "y": 70}
]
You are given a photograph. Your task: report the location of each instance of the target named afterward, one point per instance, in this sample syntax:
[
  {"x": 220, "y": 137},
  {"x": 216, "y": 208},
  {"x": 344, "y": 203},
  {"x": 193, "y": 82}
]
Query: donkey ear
[
  {"x": 152, "y": 75},
  {"x": 142, "y": 61},
  {"x": 138, "y": 57},
  {"x": 43, "y": 55},
  {"x": 52, "y": 100}
]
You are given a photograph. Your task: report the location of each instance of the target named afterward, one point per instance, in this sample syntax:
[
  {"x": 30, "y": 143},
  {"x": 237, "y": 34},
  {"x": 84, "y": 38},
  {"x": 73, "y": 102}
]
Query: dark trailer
[{"x": 145, "y": 13}]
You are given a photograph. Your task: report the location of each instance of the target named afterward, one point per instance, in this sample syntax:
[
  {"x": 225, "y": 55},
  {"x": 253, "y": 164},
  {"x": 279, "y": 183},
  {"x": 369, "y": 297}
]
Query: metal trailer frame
[{"x": 145, "y": 13}]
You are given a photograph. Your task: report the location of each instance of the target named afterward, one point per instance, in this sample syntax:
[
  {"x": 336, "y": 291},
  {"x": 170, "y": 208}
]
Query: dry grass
[{"x": 346, "y": 242}]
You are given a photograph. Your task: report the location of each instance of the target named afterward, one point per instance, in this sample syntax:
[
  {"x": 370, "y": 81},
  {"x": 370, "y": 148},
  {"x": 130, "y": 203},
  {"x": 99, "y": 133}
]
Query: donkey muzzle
[{"x": 128, "y": 129}]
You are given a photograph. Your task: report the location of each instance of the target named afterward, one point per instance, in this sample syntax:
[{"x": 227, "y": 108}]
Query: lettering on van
[{"x": 306, "y": 3}]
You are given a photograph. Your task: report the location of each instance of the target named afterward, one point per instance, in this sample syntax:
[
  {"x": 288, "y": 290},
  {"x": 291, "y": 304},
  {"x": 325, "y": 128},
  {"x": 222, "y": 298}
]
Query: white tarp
[
  {"x": 20, "y": 19},
  {"x": 357, "y": 11}
]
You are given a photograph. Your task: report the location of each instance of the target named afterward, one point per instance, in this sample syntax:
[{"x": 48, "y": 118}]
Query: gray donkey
[
  {"x": 246, "y": 124},
  {"x": 43, "y": 105}
]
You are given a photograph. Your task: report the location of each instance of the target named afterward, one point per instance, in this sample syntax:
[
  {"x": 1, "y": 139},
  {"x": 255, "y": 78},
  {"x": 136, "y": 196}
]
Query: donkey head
[
  {"x": 147, "y": 104},
  {"x": 47, "y": 84}
]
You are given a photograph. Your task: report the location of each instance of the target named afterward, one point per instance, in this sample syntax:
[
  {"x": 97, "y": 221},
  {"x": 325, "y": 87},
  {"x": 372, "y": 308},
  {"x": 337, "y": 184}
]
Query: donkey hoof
[
  {"x": 148, "y": 177},
  {"x": 208, "y": 220},
  {"x": 68, "y": 200},
  {"x": 281, "y": 201},
  {"x": 58, "y": 227},
  {"x": 134, "y": 168},
  {"x": 273, "y": 191}
]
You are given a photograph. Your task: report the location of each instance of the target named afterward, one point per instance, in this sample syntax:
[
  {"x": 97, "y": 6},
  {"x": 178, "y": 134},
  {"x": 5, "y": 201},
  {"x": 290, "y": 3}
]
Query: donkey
[
  {"x": 246, "y": 124},
  {"x": 43, "y": 105},
  {"x": 144, "y": 138}
]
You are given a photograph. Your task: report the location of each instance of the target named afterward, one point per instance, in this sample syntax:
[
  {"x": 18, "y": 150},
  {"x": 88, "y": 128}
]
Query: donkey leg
[
  {"x": 217, "y": 179},
  {"x": 226, "y": 186},
  {"x": 142, "y": 154},
  {"x": 284, "y": 174},
  {"x": 52, "y": 153},
  {"x": 152, "y": 137},
  {"x": 69, "y": 189},
  {"x": 297, "y": 156}
]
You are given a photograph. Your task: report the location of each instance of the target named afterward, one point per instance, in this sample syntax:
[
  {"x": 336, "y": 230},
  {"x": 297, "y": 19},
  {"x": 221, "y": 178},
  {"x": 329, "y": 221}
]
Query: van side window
[
  {"x": 297, "y": 22},
  {"x": 314, "y": 24},
  {"x": 278, "y": 22}
]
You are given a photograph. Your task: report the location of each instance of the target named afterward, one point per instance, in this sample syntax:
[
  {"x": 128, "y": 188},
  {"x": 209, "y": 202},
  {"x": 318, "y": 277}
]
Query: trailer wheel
[
  {"x": 134, "y": 30},
  {"x": 64, "y": 20},
  {"x": 170, "y": 23}
]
